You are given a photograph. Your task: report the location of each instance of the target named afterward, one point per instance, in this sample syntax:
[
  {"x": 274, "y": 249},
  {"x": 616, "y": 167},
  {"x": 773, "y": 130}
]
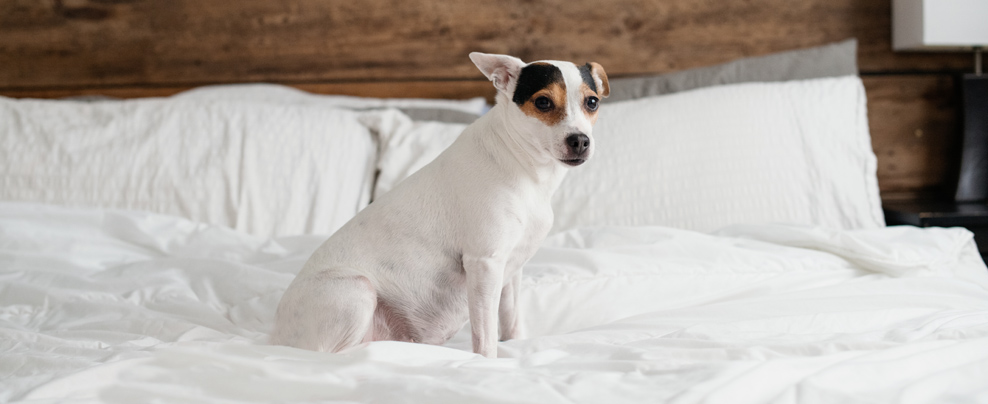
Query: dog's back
[{"x": 411, "y": 231}]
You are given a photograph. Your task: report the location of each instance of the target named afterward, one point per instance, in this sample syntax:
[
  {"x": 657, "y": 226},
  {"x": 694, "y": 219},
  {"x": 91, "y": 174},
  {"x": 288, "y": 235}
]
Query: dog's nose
[{"x": 578, "y": 143}]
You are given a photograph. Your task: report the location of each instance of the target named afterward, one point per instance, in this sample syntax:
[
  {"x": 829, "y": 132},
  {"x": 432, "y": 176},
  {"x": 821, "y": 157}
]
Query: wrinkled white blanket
[{"x": 123, "y": 307}]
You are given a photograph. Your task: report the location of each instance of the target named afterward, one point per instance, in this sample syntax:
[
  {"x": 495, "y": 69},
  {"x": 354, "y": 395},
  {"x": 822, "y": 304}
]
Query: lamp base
[{"x": 972, "y": 185}]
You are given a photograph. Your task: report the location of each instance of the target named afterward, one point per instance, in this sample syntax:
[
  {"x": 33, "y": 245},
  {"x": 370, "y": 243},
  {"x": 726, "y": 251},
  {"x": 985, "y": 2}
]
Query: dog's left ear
[
  {"x": 503, "y": 70},
  {"x": 600, "y": 78}
]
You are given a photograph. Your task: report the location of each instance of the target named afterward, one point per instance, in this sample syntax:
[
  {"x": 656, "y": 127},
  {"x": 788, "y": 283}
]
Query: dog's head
[{"x": 555, "y": 102}]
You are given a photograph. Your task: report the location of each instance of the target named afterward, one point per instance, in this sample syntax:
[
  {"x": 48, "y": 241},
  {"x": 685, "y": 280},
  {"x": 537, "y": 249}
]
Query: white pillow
[
  {"x": 791, "y": 152},
  {"x": 406, "y": 145},
  {"x": 275, "y": 93},
  {"x": 265, "y": 169}
]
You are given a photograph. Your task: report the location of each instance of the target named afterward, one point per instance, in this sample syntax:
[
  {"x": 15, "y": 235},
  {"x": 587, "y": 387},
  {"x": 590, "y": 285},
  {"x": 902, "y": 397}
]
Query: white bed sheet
[{"x": 124, "y": 307}]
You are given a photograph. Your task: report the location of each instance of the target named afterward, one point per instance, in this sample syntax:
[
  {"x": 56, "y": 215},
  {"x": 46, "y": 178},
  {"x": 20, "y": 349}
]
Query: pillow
[
  {"x": 834, "y": 60},
  {"x": 791, "y": 152},
  {"x": 795, "y": 152},
  {"x": 439, "y": 115},
  {"x": 431, "y": 109},
  {"x": 265, "y": 169},
  {"x": 406, "y": 145},
  {"x": 831, "y": 60}
]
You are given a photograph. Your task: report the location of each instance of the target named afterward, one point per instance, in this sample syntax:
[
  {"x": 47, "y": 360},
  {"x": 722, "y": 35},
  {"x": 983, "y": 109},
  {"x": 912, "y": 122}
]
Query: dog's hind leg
[{"x": 325, "y": 312}]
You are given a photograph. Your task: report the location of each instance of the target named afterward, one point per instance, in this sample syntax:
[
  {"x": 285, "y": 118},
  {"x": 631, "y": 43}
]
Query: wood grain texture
[
  {"x": 418, "y": 48},
  {"x": 60, "y": 43},
  {"x": 915, "y": 133},
  {"x": 447, "y": 89}
]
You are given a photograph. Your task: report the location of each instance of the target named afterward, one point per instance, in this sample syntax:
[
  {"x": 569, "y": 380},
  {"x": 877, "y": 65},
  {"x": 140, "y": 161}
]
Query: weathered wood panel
[
  {"x": 915, "y": 133},
  {"x": 418, "y": 48},
  {"x": 60, "y": 43},
  {"x": 449, "y": 89}
]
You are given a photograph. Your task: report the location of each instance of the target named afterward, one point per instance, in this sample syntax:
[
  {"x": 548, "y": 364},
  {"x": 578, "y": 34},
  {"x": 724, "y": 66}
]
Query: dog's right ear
[{"x": 503, "y": 70}]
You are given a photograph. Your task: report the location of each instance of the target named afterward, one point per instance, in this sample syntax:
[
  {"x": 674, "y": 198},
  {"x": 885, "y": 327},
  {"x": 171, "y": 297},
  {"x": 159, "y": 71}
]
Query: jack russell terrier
[{"x": 447, "y": 244}]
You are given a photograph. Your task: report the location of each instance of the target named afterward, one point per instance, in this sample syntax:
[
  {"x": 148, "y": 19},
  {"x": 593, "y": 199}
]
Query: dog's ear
[
  {"x": 600, "y": 78},
  {"x": 503, "y": 70}
]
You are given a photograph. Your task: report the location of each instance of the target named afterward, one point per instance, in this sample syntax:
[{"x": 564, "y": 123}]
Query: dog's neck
[{"x": 503, "y": 131}]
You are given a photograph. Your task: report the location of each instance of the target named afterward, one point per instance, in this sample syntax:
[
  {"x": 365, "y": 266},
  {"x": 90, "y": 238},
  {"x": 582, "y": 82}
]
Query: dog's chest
[{"x": 535, "y": 220}]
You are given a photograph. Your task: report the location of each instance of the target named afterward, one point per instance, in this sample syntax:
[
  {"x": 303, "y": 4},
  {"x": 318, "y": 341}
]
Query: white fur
[{"x": 447, "y": 244}]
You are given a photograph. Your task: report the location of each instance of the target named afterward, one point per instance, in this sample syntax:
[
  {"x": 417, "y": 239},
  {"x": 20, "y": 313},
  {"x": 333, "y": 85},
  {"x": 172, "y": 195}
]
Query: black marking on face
[
  {"x": 585, "y": 73},
  {"x": 533, "y": 78}
]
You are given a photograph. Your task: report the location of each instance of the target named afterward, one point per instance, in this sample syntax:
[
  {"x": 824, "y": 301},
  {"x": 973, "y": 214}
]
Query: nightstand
[{"x": 970, "y": 215}]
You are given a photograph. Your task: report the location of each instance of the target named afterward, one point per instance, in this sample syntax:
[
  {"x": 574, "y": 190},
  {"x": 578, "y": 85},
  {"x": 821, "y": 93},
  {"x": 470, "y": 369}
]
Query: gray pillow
[
  {"x": 439, "y": 115},
  {"x": 837, "y": 59}
]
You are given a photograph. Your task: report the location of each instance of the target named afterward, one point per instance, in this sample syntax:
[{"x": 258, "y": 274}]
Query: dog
[{"x": 447, "y": 244}]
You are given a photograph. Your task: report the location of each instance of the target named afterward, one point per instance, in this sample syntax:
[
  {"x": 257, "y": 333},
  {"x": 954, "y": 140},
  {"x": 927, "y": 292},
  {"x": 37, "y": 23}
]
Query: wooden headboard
[{"x": 418, "y": 48}]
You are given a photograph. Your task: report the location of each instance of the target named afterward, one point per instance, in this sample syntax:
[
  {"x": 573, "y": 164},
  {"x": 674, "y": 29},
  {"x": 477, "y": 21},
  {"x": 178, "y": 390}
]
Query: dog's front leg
[
  {"x": 508, "y": 309},
  {"x": 485, "y": 276}
]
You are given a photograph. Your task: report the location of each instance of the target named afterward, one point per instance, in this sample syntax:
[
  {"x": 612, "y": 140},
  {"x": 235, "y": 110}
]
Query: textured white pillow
[
  {"x": 791, "y": 152},
  {"x": 406, "y": 145},
  {"x": 265, "y": 169}
]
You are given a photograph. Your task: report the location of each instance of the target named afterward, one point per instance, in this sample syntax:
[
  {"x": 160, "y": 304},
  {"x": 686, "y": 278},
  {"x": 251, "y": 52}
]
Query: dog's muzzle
[{"x": 578, "y": 144}]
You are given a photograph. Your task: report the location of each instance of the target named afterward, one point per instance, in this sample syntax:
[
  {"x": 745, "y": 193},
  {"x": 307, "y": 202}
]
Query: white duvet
[{"x": 124, "y": 307}]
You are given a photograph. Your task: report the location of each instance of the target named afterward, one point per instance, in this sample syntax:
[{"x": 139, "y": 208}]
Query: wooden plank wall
[{"x": 128, "y": 48}]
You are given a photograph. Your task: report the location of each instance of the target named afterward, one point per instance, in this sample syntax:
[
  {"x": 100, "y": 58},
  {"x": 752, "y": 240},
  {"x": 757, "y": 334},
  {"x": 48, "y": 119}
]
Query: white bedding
[
  {"x": 117, "y": 306},
  {"x": 786, "y": 152},
  {"x": 261, "y": 168}
]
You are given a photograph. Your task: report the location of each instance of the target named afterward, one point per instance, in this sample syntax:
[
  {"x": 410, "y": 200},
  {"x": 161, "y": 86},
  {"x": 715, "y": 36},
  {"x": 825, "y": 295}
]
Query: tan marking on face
[
  {"x": 556, "y": 93},
  {"x": 585, "y": 92}
]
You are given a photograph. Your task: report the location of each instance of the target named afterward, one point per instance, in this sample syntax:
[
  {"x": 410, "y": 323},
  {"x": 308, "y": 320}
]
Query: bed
[{"x": 726, "y": 245}]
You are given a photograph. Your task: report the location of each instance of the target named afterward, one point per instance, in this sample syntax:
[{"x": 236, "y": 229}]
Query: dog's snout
[{"x": 578, "y": 143}]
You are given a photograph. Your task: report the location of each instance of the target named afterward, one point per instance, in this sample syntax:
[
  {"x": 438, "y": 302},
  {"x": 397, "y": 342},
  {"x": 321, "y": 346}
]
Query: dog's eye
[
  {"x": 592, "y": 103},
  {"x": 543, "y": 103}
]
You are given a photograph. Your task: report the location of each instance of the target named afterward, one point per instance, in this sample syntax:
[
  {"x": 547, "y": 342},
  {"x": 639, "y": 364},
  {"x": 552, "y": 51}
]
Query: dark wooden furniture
[{"x": 970, "y": 215}]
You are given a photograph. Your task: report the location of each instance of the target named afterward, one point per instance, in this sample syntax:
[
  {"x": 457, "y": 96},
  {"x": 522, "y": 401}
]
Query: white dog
[{"x": 447, "y": 244}]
